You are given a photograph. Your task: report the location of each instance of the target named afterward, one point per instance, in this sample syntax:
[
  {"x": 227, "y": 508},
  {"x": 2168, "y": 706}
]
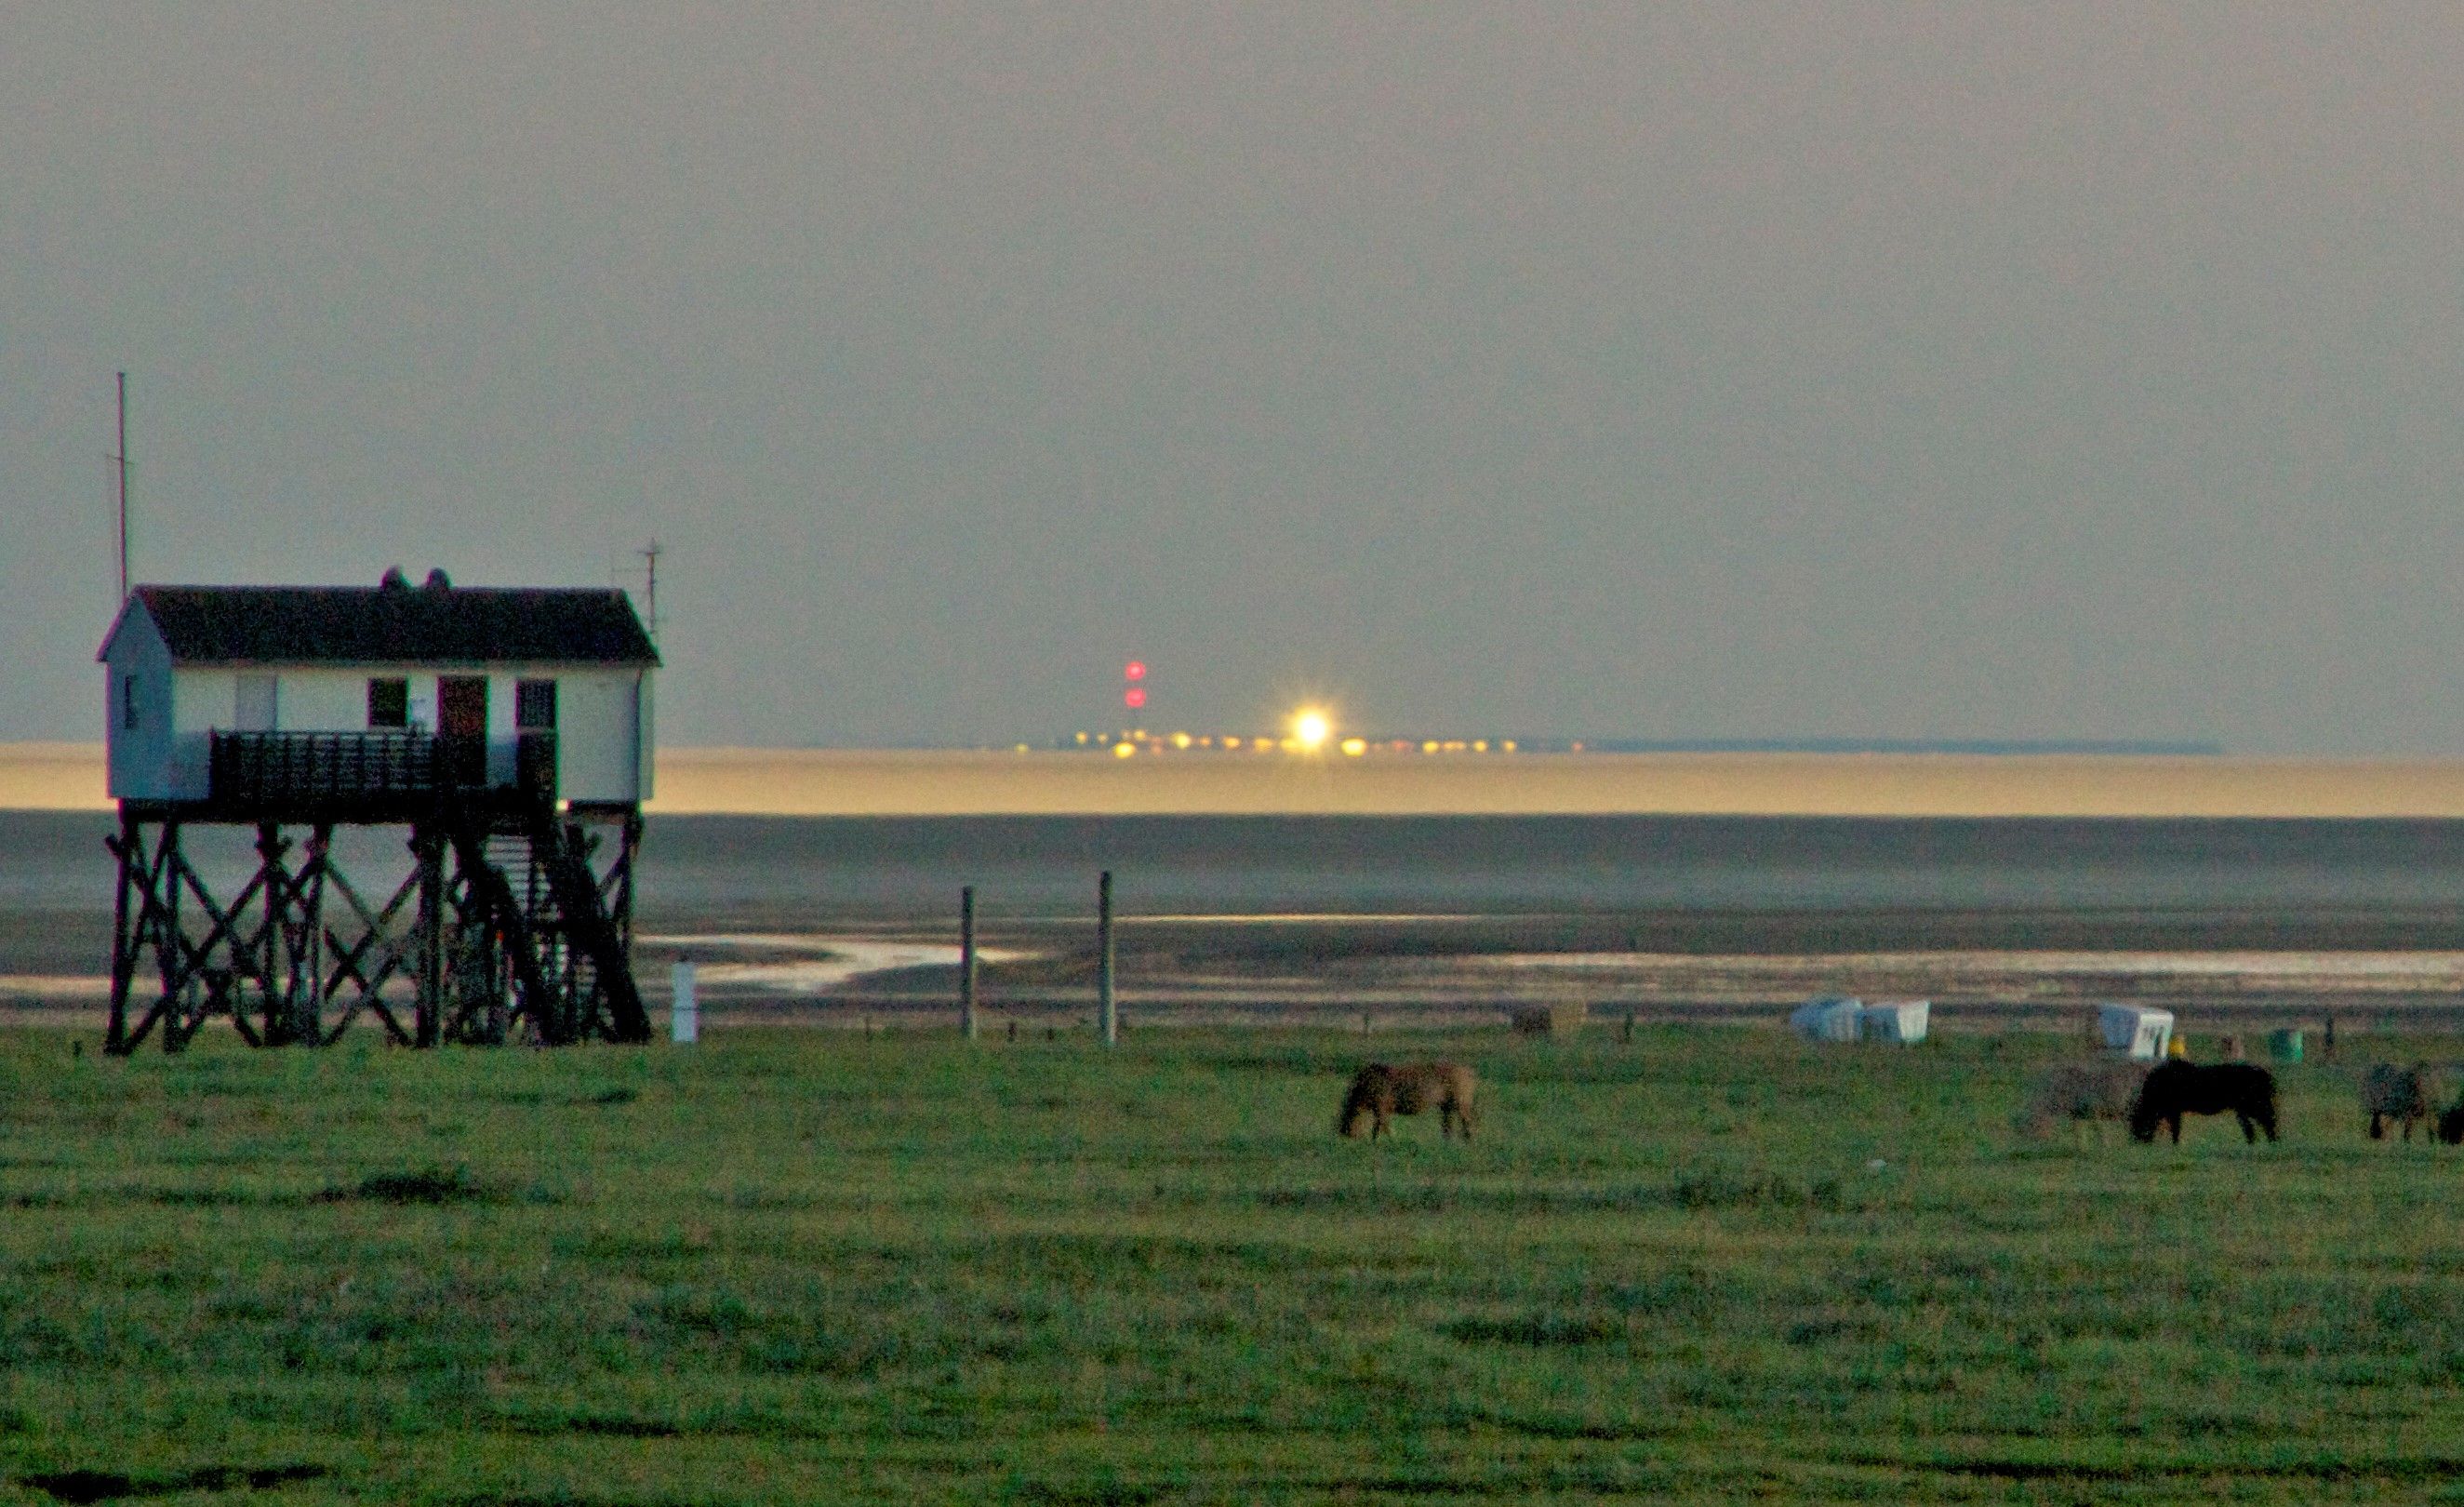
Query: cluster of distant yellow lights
[{"x": 1311, "y": 732}]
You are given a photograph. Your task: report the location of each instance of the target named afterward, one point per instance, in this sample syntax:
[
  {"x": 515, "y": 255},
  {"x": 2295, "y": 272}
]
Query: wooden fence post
[
  {"x": 967, "y": 1026},
  {"x": 1105, "y": 1008}
]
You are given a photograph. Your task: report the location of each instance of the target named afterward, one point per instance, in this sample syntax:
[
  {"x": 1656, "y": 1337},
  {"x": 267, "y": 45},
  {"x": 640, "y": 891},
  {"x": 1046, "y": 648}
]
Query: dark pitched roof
[{"x": 395, "y": 624}]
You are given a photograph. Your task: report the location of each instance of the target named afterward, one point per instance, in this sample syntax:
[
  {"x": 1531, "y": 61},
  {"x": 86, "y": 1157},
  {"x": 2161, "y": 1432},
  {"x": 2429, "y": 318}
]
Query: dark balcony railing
[
  {"x": 250, "y": 767},
  {"x": 254, "y": 768}
]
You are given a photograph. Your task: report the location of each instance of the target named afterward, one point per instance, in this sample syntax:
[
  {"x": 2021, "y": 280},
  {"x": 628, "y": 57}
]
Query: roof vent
[
  {"x": 394, "y": 580},
  {"x": 438, "y": 581}
]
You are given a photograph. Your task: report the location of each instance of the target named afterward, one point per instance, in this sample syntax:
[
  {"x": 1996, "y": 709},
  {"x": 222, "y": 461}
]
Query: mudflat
[
  {"x": 932, "y": 783},
  {"x": 1333, "y": 914},
  {"x": 57, "y": 776}
]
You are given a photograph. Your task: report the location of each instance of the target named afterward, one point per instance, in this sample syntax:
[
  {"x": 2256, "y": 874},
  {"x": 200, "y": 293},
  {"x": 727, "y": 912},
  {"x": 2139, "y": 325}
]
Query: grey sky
[{"x": 1959, "y": 371}]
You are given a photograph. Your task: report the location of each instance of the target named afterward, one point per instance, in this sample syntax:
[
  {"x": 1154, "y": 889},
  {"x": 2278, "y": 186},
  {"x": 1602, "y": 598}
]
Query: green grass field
[{"x": 1710, "y": 1265}]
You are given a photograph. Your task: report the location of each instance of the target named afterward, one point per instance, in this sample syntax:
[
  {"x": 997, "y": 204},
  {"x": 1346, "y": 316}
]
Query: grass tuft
[
  {"x": 426, "y": 1186},
  {"x": 87, "y": 1487},
  {"x": 1539, "y": 1331}
]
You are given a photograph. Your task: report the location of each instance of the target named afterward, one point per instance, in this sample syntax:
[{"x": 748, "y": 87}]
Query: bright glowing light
[
  {"x": 1180, "y": 740},
  {"x": 1135, "y": 669},
  {"x": 1123, "y": 749},
  {"x": 1134, "y": 696},
  {"x": 1355, "y": 747},
  {"x": 1310, "y": 728}
]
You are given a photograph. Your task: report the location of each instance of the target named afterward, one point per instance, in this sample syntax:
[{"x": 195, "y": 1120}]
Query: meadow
[{"x": 1710, "y": 1264}]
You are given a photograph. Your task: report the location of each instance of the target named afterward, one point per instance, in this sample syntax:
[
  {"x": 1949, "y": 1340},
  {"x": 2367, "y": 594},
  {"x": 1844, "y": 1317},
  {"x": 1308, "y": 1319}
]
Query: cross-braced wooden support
[{"x": 515, "y": 922}]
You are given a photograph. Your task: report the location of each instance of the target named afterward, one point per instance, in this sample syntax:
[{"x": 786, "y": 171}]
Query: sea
[
  {"x": 1306, "y": 909},
  {"x": 826, "y": 871}
]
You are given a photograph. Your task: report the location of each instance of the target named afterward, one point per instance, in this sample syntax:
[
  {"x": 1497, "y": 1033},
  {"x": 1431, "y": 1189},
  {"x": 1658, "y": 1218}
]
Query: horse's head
[{"x": 1360, "y": 1100}]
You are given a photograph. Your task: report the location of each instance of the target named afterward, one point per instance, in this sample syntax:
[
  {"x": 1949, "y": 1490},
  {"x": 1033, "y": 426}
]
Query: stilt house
[{"x": 507, "y": 729}]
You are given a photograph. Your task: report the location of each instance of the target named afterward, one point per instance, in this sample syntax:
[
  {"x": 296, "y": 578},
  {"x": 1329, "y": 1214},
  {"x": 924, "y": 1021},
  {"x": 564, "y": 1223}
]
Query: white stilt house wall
[{"x": 508, "y": 730}]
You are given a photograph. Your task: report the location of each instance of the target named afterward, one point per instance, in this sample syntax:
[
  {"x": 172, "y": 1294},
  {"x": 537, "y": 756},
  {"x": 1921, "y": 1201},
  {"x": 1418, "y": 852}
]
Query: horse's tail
[
  {"x": 1467, "y": 1095},
  {"x": 2144, "y": 1112}
]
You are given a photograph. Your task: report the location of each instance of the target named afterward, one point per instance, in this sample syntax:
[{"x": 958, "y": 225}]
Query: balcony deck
[{"x": 367, "y": 776}]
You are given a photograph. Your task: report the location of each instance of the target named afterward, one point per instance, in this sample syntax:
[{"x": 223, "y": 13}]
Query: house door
[{"x": 462, "y": 727}]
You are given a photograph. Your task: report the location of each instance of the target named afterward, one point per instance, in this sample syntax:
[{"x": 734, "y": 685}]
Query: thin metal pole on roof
[
  {"x": 122, "y": 458},
  {"x": 651, "y": 555}
]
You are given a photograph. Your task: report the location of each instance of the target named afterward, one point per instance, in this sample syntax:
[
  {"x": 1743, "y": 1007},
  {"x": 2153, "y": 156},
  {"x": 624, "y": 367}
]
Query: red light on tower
[
  {"x": 1134, "y": 696},
  {"x": 1135, "y": 669}
]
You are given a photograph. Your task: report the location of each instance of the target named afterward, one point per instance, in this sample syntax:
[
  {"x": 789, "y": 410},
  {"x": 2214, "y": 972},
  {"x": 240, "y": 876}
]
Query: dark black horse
[{"x": 2174, "y": 1089}]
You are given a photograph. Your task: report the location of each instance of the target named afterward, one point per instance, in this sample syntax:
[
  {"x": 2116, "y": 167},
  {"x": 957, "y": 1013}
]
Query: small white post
[{"x": 685, "y": 1015}]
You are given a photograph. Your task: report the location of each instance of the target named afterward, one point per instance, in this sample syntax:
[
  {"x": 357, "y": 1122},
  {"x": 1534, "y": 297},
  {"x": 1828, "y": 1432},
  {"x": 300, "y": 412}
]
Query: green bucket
[{"x": 2284, "y": 1046}]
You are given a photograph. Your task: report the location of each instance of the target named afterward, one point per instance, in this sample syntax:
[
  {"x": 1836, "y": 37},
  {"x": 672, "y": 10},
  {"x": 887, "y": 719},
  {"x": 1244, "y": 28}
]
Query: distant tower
[{"x": 1133, "y": 695}]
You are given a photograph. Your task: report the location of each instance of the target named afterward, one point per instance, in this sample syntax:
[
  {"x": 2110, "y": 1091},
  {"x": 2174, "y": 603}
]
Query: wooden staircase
[{"x": 525, "y": 887}]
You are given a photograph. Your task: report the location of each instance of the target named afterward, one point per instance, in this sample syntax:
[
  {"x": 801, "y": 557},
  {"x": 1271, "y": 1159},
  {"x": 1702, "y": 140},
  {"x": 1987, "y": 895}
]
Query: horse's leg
[
  {"x": 2378, "y": 1130},
  {"x": 2249, "y": 1131},
  {"x": 2174, "y": 1122}
]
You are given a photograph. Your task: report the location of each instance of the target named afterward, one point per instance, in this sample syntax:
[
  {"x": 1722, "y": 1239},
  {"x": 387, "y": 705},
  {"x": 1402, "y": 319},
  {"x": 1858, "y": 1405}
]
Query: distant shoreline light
[
  {"x": 1310, "y": 735},
  {"x": 1129, "y": 741}
]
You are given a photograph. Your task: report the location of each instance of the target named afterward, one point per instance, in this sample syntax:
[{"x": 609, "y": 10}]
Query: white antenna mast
[
  {"x": 122, "y": 459},
  {"x": 651, "y": 594}
]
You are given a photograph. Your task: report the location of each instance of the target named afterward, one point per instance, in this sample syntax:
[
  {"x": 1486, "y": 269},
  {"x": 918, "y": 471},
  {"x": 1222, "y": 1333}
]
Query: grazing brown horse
[
  {"x": 1380, "y": 1090},
  {"x": 2403, "y": 1095},
  {"x": 2081, "y": 1092},
  {"x": 2174, "y": 1089}
]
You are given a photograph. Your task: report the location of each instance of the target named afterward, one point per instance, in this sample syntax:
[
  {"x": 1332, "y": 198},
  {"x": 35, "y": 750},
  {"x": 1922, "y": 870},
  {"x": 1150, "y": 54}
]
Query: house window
[
  {"x": 389, "y": 703},
  {"x": 535, "y": 705},
  {"x": 128, "y": 703},
  {"x": 252, "y": 706}
]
